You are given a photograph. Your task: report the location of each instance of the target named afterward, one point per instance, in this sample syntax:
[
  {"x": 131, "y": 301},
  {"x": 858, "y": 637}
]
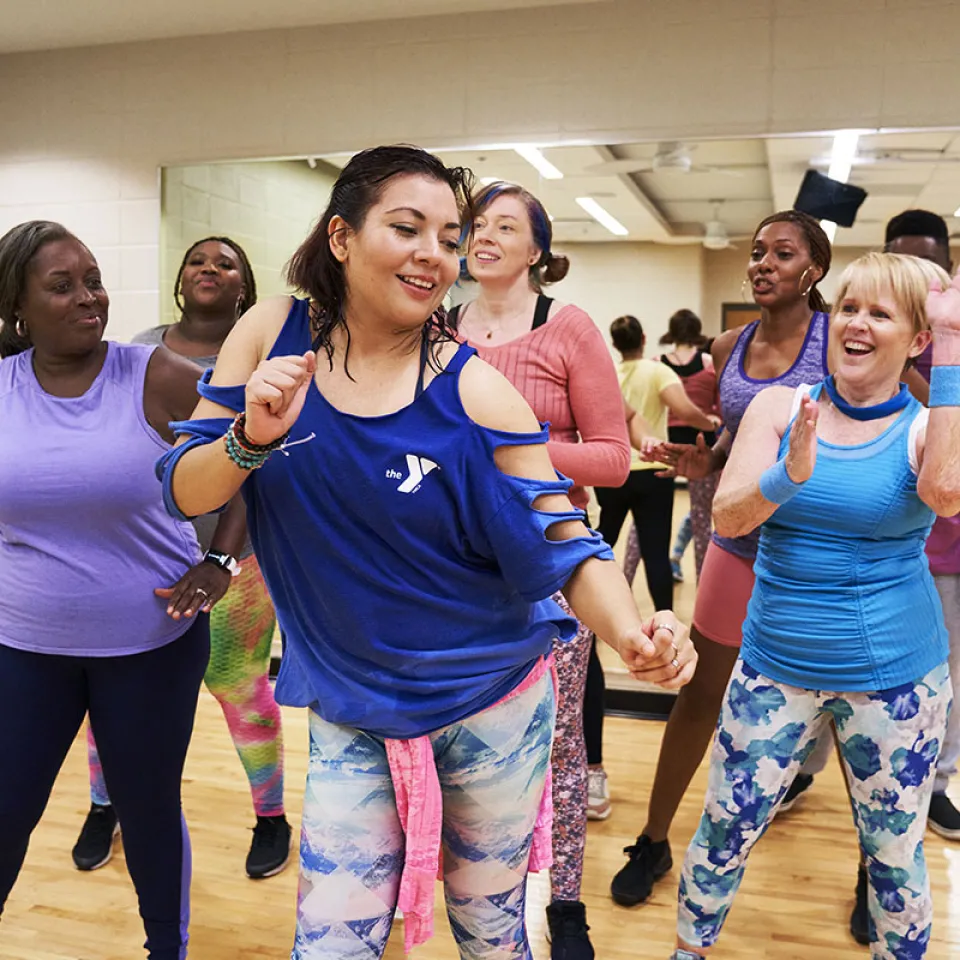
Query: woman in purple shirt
[{"x": 101, "y": 611}]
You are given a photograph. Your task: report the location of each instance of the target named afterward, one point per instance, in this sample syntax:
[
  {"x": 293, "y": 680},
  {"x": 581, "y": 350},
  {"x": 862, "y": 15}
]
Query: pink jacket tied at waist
[{"x": 420, "y": 808}]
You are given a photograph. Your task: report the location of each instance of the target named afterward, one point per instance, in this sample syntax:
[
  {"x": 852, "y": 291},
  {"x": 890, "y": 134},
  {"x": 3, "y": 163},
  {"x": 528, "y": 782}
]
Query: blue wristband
[
  {"x": 944, "y": 386},
  {"x": 776, "y": 485}
]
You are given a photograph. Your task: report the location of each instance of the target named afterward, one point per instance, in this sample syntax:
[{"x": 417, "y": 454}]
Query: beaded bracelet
[{"x": 243, "y": 451}]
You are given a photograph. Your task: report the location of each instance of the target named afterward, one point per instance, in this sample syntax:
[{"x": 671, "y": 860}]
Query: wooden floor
[{"x": 793, "y": 905}]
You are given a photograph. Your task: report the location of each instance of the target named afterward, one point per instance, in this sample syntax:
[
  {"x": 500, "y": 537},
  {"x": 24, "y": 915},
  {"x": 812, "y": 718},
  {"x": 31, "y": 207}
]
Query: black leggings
[
  {"x": 650, "y": 499},
  {"x": 141, "y": 708}
]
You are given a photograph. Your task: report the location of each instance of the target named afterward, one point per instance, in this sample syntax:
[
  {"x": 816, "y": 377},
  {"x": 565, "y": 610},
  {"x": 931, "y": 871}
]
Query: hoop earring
[
  {"x": 239, "y": 309},
  {"x": 805, "y": 293},
  {"x": 20, "y": 328},
  {"x": 743, "y": 292}
]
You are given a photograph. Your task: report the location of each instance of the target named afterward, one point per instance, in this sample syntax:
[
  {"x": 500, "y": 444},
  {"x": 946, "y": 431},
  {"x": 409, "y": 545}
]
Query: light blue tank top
[
  {"x": 844, "y": 599},
  {"x": 84, "y": 536}
]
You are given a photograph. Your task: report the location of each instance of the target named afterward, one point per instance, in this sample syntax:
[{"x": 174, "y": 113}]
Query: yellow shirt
[{"x": 641, "y": 382}]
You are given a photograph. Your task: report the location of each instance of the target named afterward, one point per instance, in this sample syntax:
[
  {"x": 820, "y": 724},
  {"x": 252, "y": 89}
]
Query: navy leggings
[{"x": 142, "y": 708}]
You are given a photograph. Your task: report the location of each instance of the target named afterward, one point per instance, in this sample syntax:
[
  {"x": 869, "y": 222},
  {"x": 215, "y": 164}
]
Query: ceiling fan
[
  {"x": 715, "y": 233},
  {"x": 670, "y": 156}
]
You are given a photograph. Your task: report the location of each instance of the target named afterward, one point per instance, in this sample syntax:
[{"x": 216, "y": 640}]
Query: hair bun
[{"x": 555, "y": 268}]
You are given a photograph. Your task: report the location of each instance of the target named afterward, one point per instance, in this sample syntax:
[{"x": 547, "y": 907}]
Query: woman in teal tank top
[{"x": 843, "y": 478}]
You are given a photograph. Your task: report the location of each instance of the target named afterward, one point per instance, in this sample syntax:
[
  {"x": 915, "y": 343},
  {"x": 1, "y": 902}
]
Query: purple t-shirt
[
  {"x": 84, "y": 536},
  {"x": 943, "y": 544}
]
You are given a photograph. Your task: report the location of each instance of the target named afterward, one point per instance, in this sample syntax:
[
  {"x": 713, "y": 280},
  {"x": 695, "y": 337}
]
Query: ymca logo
[{"x": 417, "y": 469}]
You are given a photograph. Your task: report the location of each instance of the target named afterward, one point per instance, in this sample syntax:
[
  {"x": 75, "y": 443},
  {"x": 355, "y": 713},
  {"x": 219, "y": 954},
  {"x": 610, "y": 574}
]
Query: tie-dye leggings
[
  {"x": 241, "y": 634},
  {"x": 492, "y": 769},
  {"x": 889, "y": 741}
]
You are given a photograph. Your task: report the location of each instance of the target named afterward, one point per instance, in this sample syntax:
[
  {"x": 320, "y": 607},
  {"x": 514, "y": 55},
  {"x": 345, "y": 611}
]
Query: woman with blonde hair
[{"x": 844, "y": 625}]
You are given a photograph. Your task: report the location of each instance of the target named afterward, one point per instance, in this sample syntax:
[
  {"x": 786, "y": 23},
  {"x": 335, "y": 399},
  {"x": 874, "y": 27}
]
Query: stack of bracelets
[{"x": 243, "y": 451}]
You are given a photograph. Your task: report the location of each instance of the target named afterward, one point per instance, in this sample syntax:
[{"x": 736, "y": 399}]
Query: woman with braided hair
[
  {"x": 787, "y": 346},
  {"x": 214, "y": 286}
]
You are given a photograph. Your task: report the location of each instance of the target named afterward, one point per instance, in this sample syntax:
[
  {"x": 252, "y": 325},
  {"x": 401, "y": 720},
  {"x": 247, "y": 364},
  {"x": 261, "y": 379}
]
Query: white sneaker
[{"x": 598, "y": 795}]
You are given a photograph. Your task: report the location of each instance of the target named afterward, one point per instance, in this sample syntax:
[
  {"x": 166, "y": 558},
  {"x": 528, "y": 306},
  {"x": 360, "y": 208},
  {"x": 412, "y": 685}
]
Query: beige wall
[
  {"x": 84, "y": 132},
  {"x": 268, "y": 208},
  {"x": 647, "y": 280}
]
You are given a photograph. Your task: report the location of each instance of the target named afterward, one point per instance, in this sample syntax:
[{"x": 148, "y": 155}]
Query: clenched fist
[{"x": 275, "y": 396}]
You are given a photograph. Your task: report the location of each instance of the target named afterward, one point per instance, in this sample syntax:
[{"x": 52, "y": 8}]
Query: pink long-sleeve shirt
[{"x": 565, "y": 372}]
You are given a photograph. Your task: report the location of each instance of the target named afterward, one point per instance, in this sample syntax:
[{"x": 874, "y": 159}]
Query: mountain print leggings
[{"x": 889, "y": 741}]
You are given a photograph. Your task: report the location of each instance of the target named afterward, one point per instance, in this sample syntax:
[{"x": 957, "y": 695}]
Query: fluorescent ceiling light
[
  {"x": 602, "y": 216},
  {"x": 956, "y": 212},
  {"x": 843, "y": 154},
  {"x": 841, "y": 161},
  {"x": 536, "y": 159}
]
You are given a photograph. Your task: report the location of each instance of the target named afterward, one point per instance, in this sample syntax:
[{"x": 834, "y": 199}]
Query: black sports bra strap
[
  {"x": 424, "y": 359},
  {"x": 453, "y": 316},
  {"x": 541, "y": 311}
]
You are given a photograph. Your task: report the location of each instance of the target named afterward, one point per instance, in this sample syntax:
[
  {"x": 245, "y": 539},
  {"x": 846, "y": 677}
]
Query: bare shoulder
[
  {"x": 492, "y": 401},
  {"x": 723, "y": 347},
  {"x": 773, "y": 406},
  {"x": 250, "y": 340}
]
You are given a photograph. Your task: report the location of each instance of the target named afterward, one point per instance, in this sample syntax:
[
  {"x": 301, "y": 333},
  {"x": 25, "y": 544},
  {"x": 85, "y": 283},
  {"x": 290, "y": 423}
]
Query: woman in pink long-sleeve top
[{"x": 555, "y": 355}]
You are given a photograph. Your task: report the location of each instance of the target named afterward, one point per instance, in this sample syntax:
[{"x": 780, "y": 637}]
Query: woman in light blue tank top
[
  {"x": 843, "y": 478},
  {"x": 411, "y": 530}
]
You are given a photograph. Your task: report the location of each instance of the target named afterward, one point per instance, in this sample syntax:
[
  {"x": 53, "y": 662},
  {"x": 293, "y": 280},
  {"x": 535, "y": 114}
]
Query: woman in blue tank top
[
  {"x": 789, "y": 256},
  {"x": 843, "y": 478},
  {"x": 411, "y": 530}
]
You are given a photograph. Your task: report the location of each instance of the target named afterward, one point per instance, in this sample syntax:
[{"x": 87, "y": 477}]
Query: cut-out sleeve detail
[
  {"x": 200, "y": 432},
  {"x": 516, "y": 531},
  {"x": 233, "y": 397}
]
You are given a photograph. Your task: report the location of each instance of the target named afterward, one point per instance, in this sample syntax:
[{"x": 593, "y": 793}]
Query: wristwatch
[{"x": 224, "y": 561}]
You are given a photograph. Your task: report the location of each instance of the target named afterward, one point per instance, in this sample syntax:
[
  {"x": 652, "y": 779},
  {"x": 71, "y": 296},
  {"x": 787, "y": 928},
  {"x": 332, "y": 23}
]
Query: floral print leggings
[{"x": 889, "y": 740}]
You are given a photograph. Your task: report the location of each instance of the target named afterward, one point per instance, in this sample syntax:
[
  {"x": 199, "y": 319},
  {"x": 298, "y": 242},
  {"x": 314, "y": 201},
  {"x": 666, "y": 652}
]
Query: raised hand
[
  {"x": 802, "y": 453},
  {"x": 943, "y": 308},
  {"x": 275, "y": 394},
  {"x": 660, "y": 651}
]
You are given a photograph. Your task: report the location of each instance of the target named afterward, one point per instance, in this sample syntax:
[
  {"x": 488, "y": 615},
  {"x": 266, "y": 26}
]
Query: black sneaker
[
  {"x": 648, "y": 862},
  {"x": 270, "y": 850},
  {"x": 944, "y": 817},
  {"x": 801, "y": 783},
  {"x": 94, "y": 847},
  {"x": 567, "y": 922},
  {"x": 860, "y": 917}
]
